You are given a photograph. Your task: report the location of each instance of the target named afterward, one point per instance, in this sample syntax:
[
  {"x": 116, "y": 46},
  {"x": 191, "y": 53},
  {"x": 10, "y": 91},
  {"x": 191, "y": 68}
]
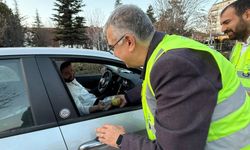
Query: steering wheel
[{"x": 105, "y": 81}]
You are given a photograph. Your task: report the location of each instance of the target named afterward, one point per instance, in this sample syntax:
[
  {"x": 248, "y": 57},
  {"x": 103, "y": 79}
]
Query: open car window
[{"x": 96, "y": 82}]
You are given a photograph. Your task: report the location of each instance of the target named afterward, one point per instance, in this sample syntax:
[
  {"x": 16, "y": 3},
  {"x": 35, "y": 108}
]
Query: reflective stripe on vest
[
  {"x": 151, "y": 102},
  {"x": 231, "y": 117},
  {"x": 242, "y": 64},
  {"x": 151, "y": 105},
  {"x": 228, "y": 144},
  {"x": 245, "y": 79},
  {"x": 230, "y": 104}
]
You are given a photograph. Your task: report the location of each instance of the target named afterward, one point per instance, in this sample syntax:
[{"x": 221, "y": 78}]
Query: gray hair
[{"x": 130, "y": 19}]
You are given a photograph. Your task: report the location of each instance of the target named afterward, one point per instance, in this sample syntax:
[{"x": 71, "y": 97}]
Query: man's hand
[
  {"x": 101, "y": 106},
  {"x": 123, "y": 100},
  {"x": 108, "y": 134}
]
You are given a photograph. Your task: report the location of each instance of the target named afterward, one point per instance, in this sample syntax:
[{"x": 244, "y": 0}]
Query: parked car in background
[{"x": 37, "y": 111}]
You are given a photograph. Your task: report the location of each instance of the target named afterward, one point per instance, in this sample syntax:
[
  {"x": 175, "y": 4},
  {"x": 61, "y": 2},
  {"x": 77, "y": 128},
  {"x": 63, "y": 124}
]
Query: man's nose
[{"x": 223, "y": 28}]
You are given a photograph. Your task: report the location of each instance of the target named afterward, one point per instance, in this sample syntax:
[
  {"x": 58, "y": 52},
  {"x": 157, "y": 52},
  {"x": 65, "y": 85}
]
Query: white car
[{"x": 37, "y": 111}]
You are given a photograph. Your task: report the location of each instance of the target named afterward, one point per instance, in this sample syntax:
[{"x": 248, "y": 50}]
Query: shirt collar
[
  {"x": 73, "y": 82},
  {"x": 245, "y": 43},
  {"x": 157, "y": 38},
  {"x": 248, "y": 41}
]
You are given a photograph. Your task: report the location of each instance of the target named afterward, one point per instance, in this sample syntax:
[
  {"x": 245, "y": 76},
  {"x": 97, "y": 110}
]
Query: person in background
[
  {"x": 191, "y": 96},
  {"x": 235, "y": 22}
]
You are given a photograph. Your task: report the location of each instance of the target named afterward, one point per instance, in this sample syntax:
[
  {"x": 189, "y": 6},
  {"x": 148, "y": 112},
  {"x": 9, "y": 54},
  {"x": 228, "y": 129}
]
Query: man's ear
[
  {"x": 130, "y": 39},
  {"x": 246, "y": 15}
]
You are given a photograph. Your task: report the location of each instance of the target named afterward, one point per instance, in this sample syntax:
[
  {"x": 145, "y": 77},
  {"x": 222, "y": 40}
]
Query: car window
[
  {"x": 15, "y": 110},
  {"x": 90, "y": 83}
]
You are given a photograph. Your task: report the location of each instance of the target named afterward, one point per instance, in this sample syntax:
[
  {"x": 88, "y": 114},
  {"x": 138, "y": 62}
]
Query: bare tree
[
  {"x": 180, "y": 16},
  {"x": 38, "y": 36},
  {"x": 42, "y": 37},
  {"x": 118, "y": 3},
  {"x": 95, "y": 18},
  {"x": 95, "y": 31}
]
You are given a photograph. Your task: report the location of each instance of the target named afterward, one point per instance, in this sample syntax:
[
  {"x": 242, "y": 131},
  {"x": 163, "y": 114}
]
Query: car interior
[{"x": 103, "y": 80}]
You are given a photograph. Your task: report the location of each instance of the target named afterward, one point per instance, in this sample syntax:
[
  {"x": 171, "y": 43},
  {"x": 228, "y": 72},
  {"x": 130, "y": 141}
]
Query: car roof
[{"x": 17, "y": 51}]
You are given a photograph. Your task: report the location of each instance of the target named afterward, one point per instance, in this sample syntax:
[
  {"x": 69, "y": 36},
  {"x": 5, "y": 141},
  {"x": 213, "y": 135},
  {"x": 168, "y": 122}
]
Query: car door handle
[{"x": 90, "y": 144}]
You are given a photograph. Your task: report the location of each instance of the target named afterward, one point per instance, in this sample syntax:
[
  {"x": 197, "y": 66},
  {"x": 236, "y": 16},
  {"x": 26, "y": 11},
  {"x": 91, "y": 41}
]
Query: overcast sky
[{"x": 28, "y": 8}]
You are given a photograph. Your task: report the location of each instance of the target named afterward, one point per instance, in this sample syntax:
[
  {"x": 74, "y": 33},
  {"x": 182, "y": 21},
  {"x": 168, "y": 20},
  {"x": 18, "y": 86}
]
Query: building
[
  {"x": 40, "y": 37},
  {"x": 214, "y": 26}
]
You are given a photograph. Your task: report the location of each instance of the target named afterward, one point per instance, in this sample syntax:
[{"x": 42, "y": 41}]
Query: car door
[
  {"x": 79, "y": 131},
  {"x": 27, "y": 120},
  {"x": 82, "y": 134}
]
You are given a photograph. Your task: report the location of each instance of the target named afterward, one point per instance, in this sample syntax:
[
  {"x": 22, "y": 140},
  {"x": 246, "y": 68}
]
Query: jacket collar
[{"x": 157, "y": 38}]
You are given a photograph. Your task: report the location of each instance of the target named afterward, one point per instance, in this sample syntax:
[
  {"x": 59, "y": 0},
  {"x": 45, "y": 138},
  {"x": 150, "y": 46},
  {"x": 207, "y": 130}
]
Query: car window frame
[
  {"x": 41, "y": 109},
  {"x": 86, "y": 59}
]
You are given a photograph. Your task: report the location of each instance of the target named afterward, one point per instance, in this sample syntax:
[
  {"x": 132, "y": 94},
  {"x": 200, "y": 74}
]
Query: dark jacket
[{"x": 186, "y": 85}]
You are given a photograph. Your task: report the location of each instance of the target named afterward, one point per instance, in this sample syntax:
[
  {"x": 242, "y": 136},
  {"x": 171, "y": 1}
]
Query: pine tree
[
  {"x": 68, "y": 30},
  {"x": 37, "y": 22},
  {"x": 11, "y": 30},
  {"x": 38, "y": 37},
  {"x": 150, "y": 13},
  {"x": 18, "y": 30},
  {"x": 118, "y": 3},
  {"x": 81, "y": 37},
  {"x": 16, "y": 9}
]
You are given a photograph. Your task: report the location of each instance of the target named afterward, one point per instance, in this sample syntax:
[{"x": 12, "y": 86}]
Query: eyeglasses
[{"x": 111, "y": 47}]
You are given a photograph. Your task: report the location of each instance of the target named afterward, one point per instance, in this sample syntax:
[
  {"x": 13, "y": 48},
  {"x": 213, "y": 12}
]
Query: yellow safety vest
[
  {"x": 242, "y": 64},
  {"x": 230, "y": 125}
]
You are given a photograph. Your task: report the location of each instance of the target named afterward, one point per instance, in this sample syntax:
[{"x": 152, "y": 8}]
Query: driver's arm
[{"x": 100, "y": 106}]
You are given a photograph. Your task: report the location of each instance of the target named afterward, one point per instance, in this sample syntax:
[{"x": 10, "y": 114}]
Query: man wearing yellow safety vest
[
  {"x": 235, "y": 22},
  {"x": 191, "y": 96}
]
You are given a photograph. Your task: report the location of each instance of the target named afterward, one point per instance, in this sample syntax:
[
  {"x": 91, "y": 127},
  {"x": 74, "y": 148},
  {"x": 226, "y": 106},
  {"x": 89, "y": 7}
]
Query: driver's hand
[
  {"x": 101, "y": 106},
  {"x": 123, "y": 100}
]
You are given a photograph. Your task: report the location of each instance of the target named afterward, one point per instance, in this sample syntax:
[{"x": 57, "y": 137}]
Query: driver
[
  {"x": 83, "y": 99},
  {"x": 86, "y": 102}
]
